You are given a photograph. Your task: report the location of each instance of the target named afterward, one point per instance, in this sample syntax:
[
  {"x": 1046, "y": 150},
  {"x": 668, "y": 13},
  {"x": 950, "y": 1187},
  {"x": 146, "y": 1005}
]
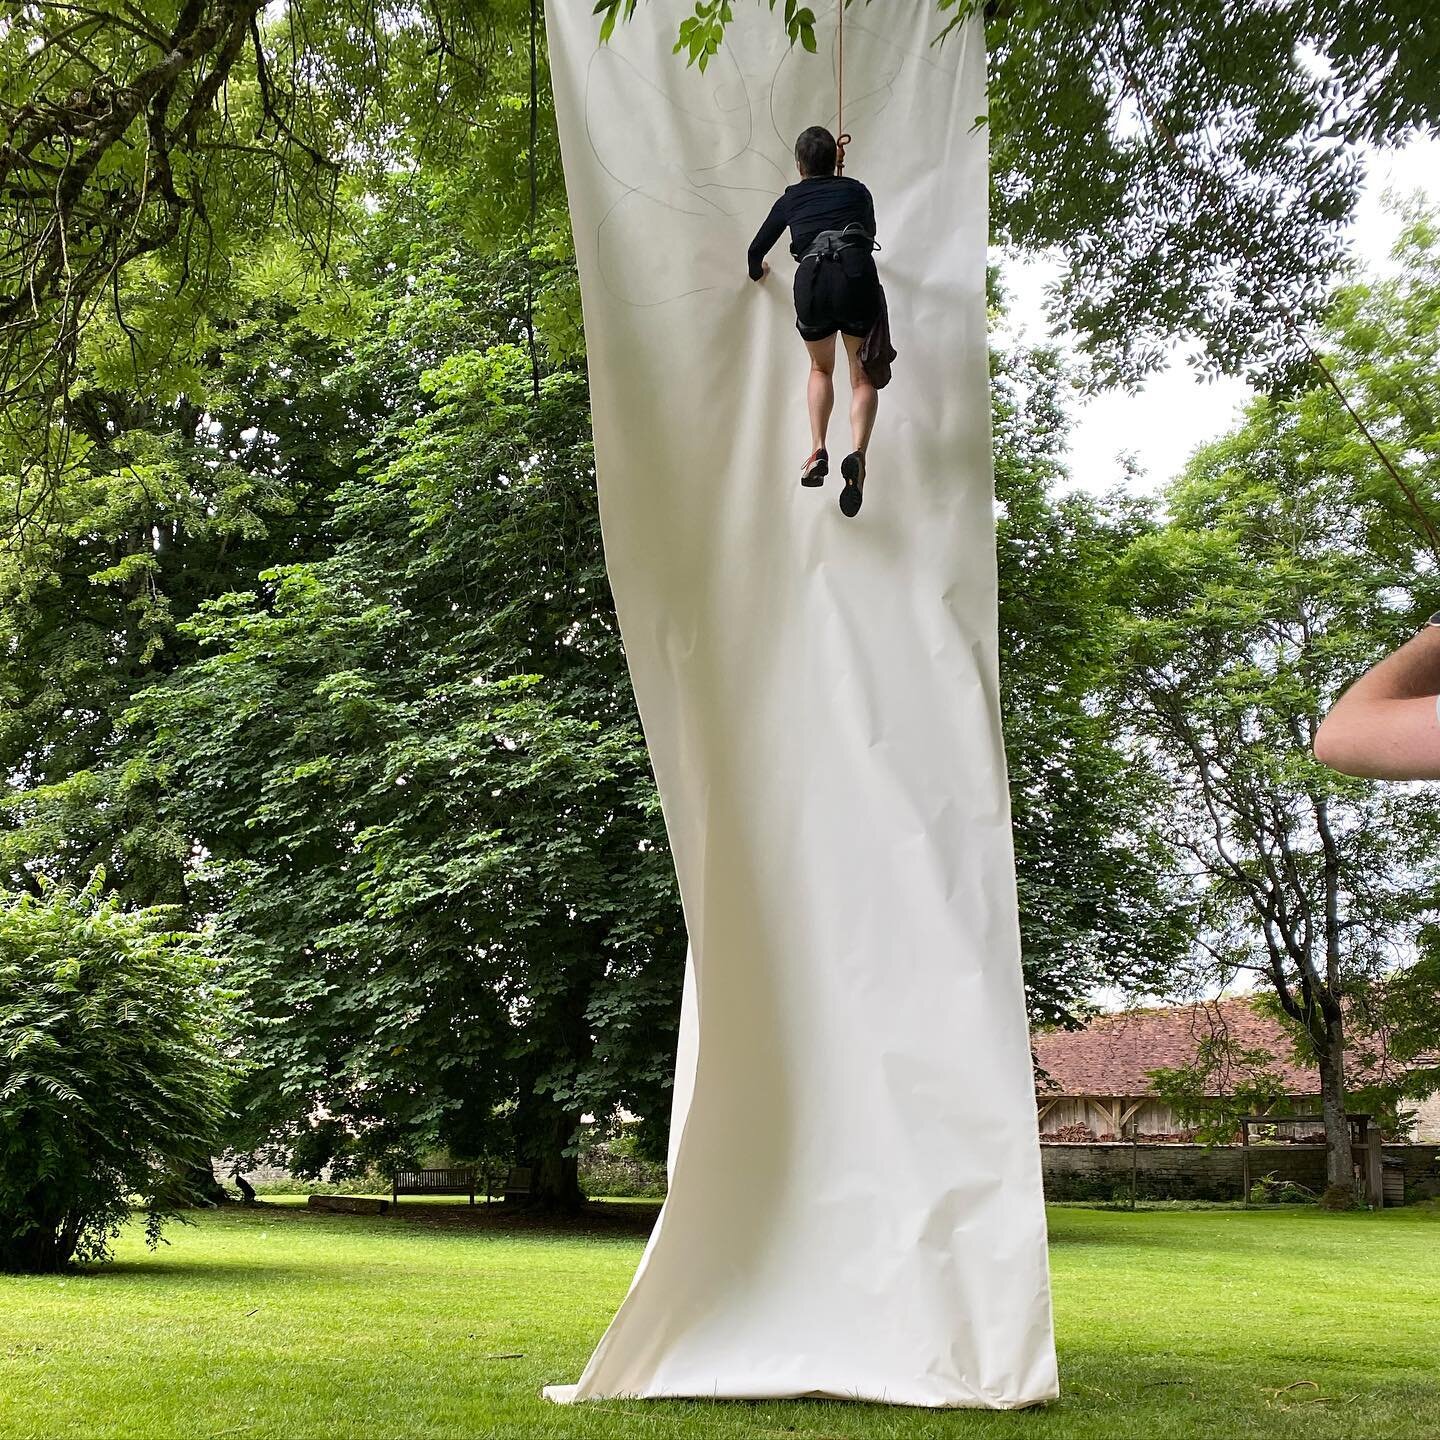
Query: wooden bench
[
  {"x": 518, "y": 1181},
  {"x": 432, "y": 1182}
]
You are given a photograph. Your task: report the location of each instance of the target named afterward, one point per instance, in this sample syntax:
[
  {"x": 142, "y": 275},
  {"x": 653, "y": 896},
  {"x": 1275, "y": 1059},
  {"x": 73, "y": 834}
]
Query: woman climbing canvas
[{"x": 831, "y": 218}]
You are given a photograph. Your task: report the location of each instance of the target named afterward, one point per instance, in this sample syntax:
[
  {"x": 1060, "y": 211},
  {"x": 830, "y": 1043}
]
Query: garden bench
[
  {"x": 461, "y": 1181},
  {"x": 433, "y": 1182}
]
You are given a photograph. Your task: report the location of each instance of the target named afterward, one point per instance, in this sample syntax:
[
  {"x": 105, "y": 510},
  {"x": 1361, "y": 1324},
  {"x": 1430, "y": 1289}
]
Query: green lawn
[{"x": 275, "y": 1322}]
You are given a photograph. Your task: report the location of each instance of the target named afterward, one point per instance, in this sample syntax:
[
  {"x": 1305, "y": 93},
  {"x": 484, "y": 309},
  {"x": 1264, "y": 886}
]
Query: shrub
[
  {"x": 112, "y": 1082},
  {"x": 1271, "y": 1190},
  {"x": 367, "y": 1184},
  {"x": 613, "y": 1168}
]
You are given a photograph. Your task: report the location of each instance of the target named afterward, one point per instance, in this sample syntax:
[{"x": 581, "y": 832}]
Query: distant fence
[{"x": 1101, "y": 1170}]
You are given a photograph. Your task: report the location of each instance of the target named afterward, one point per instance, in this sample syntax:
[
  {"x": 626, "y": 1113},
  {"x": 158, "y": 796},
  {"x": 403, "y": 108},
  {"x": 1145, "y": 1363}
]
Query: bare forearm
[
  {"x": 1413, "y": 670},
  {"x": 1386, "y": 725}
]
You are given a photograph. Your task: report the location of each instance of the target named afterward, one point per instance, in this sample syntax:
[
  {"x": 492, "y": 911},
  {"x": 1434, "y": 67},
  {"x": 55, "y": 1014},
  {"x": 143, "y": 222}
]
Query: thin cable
[{"x": 841, "y": 138}]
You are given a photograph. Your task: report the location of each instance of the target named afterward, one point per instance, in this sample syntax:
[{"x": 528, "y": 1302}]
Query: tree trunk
[
  {"x": 46, "y": 1248},
  {"x": 1339, "y": 1162},
  {"x": 557, "y": 1183},
  {"x": 555, "y": 1180},
  {"x": 201, "y": 1187}
]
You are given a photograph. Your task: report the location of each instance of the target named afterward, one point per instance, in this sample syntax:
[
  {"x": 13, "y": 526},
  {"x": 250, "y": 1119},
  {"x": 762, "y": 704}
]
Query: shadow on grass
[
  {"x": 189, "y": 1271},
  {"x": 597, "y": 1220}
]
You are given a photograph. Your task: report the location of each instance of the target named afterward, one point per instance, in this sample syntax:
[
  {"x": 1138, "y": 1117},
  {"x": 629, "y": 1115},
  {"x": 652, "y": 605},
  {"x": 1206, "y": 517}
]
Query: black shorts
[{"x": 839, "y": 294}]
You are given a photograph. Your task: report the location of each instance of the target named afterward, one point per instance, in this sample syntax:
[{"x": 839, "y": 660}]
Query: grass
[{"x": 278, "y": 1322}]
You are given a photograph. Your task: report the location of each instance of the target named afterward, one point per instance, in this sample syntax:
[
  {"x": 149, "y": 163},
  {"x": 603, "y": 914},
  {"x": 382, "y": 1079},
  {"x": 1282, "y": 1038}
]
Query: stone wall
[
  {"x": 1427, "y": 1120},
  {"x": 1421, "y": 1164},
  {"x": 1200, "y": 1172}
]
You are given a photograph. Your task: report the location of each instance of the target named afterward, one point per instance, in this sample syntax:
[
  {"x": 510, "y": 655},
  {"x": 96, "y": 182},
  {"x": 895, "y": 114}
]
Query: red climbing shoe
[
  {"x": 852, "y": 467},
  {"x": 816, "y": 468}
]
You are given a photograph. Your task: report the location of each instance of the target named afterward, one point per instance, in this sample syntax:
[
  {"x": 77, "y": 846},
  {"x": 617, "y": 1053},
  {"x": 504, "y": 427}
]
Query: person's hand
[{"x": 764, "y": 269}]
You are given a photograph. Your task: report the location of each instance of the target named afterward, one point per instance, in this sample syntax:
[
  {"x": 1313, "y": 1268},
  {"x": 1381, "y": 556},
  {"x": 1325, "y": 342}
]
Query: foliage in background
[
  {"x": 432, "y": 836},
  {"x": 1099, "y": 902},
  {"x": 1275, "y": 580},
  {"x": 1270, "y": 1189},
  {"x": 112, "y": 1081},
  {"x": 175, "y": 504},
  {"x": 615, "y": 1164},
  {"x": 169, "y": 143},
  {"x": 1194, "y": 162},
  {"x": 1403, "y": 1010},
  {"x": 1222, "y": 1083}
]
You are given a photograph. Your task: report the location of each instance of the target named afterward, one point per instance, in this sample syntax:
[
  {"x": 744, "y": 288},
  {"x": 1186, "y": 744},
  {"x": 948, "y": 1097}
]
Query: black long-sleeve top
[{"x": 816, "y": 203}]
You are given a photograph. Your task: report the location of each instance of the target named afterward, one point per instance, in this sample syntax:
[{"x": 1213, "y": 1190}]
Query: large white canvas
[{"x": 855, "y": 1204}]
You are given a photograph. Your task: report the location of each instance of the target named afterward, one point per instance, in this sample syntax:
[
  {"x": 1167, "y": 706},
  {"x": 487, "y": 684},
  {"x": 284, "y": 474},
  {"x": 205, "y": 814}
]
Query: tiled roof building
[{"x": 1097, "y": 1080}]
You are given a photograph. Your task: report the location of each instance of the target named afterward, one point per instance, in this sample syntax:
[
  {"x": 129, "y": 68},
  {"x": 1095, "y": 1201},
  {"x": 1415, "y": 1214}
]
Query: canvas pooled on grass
[{"x": 855, "y": 1202}]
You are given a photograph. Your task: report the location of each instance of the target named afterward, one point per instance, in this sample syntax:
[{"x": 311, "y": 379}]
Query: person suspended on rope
[{"x": 831, "y": 218}]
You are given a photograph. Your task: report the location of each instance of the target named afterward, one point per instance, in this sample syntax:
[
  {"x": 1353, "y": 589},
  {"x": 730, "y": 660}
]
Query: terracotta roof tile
[{"x": 1114, "y": 1054}]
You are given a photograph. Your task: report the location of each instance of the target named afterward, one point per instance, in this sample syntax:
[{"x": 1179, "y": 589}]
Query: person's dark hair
[{"x": 815, "y": 151}]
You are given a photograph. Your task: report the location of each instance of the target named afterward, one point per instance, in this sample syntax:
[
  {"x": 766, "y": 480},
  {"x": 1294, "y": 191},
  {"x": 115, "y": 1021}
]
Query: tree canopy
[{"x": 1193, "y": 162}]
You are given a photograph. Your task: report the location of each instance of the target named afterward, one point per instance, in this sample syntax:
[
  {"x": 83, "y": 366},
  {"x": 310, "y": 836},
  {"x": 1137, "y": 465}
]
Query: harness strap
[{"x": 831, "y": 244}]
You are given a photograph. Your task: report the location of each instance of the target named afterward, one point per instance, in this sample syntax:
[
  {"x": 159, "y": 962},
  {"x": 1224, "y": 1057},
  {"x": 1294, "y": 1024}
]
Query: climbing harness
[
  {"x": 833, "y": 247},
  {"x": 832, "y": 244}
]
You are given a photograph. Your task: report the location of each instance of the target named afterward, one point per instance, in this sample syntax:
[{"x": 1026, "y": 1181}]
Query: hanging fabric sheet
[{"x": 855, "y": 1205}]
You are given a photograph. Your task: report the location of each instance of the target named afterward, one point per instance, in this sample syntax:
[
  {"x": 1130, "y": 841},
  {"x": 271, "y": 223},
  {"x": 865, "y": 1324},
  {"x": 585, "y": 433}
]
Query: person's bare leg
[
  {"x": 864, "y": 397},
  {"x": 821, "y": 393}
]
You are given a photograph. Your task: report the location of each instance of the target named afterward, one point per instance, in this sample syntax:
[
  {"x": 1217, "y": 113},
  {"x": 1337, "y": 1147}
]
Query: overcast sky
[{"x": 1177, "y": 411}]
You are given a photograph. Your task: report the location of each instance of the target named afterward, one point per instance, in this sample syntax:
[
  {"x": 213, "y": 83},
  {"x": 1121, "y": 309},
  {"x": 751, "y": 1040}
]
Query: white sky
[{"x": 1177, "y": 411}]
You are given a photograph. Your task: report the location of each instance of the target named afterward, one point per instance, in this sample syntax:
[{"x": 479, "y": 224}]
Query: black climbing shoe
[
  {"x": 852, "y": 467},
  {"x": 816, "y": 468}
]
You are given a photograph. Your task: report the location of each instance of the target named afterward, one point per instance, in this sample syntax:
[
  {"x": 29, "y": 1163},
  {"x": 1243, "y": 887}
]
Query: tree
[
  {"x": 1404, "y": 1009},
  {"x": 247, "y": 466},
  {"x": 1276, "y": 578},
  {"x": 165, "y": 139},
  {"x": 1098, "y": 904},
  {"x": 174, "y": 503},
  {"x": 416, "y": 767},
  {"x": 112, "y": 1081}
]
